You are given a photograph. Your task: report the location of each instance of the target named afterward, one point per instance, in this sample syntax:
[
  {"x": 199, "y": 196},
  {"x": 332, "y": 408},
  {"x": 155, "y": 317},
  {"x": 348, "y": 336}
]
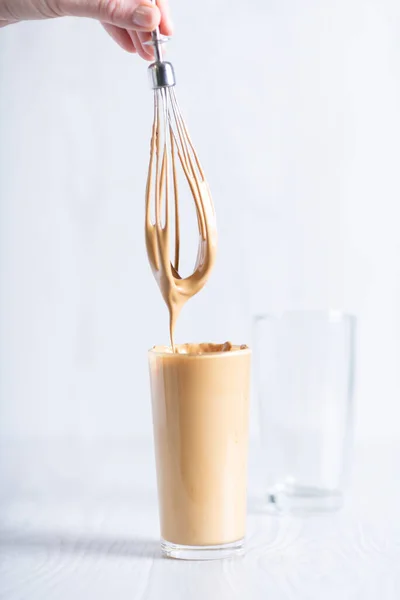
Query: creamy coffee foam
[
  {"x": 199, "y": 349},
  {"x": 162, "y": 186}
]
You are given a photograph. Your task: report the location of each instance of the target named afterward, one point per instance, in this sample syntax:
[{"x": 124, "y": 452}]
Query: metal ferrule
[{"x": 161, "y": 74}]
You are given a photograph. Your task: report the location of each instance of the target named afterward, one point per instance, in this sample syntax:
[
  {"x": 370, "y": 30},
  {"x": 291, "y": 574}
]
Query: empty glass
[{"x": 304, "y": 364}]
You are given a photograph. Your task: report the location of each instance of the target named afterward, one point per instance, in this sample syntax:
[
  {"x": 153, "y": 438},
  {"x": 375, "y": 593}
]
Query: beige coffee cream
[
  {"x": 200, "y": 401},
  {"x": 162, "y": 191}
]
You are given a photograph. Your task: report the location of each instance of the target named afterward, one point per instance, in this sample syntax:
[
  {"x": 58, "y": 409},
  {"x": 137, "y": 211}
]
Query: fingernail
[{"x": 143, "y": 16}]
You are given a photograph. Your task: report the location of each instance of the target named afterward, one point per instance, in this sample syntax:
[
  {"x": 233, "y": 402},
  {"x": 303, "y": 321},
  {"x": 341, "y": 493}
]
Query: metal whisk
[{"x": 172, "y": 147}]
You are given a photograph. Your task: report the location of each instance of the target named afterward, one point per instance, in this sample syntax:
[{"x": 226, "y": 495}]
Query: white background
[{"x": 297, "y": 123}]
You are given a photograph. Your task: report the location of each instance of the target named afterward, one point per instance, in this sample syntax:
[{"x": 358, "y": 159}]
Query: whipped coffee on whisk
[{"x": 171, "y": 148}]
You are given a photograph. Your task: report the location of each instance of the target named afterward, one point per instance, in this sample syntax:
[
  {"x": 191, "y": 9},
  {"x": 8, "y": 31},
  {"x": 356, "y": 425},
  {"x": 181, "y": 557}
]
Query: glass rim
[
  {"x": 220, "y": 353},
  {"x": 332, "y": 315}
]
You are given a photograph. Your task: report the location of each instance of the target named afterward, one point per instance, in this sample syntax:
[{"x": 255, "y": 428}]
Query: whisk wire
[{"x": 172, "y": 146}]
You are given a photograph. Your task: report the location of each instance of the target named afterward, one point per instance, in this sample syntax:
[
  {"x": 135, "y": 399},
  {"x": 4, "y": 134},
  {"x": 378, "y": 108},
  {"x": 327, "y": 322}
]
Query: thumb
[{"x": 140, "y": 15}]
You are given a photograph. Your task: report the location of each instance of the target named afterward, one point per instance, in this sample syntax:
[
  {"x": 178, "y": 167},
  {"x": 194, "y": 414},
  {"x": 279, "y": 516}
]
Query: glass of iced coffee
[{"x": 200, "y": 400}]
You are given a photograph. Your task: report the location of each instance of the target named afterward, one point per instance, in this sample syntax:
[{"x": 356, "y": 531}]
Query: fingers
[
  {"x": 127, "y": 21},
  {"x": 145, "y": 52},
  {"x": 140, "y": 15},
  {"x": 166, "y": 27},
  {"x": 121, "y": 36},
  {"x": 140, "y": 40},
  {"x": 148, "y": 48}
]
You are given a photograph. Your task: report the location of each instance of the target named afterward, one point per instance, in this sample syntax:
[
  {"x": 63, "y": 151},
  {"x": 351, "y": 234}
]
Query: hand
[{"x": 127, "y": 21}]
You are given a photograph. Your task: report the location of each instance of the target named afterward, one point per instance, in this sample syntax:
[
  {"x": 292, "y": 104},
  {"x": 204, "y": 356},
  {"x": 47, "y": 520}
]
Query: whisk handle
[
  {"x": 156, "y": 39},
  {"x": 161, "y": 73}
]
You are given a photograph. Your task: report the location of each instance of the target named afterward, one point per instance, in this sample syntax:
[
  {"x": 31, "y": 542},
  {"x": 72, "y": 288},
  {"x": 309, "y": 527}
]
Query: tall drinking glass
[
  {"x": 200, "y": 400},
  {"x": 304, "y": 364}
]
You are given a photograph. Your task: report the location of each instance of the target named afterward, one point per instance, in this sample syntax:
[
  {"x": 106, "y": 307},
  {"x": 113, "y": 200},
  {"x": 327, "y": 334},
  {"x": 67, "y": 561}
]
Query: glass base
[
  {"x": 202, "y": 552},
  {"x": 303, "y": 499}
]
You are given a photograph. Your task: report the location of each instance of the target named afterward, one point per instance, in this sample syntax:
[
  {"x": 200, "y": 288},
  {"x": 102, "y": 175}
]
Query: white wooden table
[{"x": 79, "y": 521}]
